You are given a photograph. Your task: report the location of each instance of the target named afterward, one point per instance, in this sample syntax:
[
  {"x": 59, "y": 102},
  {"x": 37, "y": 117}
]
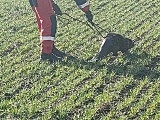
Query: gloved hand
[
  {"x": 89, "y": 16},
  {"x": 56, "y": 9}
]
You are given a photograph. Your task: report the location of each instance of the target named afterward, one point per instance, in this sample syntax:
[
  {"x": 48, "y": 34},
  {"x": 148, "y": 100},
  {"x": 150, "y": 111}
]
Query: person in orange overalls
[{"x": 45, "y": 12}]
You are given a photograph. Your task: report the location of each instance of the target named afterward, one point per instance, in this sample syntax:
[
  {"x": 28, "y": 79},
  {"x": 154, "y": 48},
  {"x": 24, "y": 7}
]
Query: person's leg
[{"x": 44, "y": 11}]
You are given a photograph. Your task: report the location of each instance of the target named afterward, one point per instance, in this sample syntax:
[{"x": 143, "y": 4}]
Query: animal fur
[{"x": 113, "y": 43}]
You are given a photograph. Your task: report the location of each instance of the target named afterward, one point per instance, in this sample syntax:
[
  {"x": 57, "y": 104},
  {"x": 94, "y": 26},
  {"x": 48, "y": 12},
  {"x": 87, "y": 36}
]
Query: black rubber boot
[
  {"x": 50, "y": 57},
  {"x": 58, "y": 53}
]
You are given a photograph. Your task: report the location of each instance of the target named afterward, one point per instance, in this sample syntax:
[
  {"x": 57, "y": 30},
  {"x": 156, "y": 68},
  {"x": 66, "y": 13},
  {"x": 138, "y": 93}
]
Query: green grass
[{"x": 116, "y": 88}]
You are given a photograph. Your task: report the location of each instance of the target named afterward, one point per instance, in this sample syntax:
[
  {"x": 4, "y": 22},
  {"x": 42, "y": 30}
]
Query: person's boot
[
  {"x": 58, "y": 53},
  {"x": 50, "y": 57}
]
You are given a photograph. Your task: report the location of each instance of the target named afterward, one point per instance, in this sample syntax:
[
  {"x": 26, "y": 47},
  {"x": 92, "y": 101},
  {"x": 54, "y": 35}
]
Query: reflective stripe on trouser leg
[
  {"x": 84, "y": 5},
  {"x": 47, "y": 38}
]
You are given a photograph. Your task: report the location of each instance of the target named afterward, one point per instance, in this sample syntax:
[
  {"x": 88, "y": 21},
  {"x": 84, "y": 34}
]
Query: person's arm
[{"x": 84, "y": 6}]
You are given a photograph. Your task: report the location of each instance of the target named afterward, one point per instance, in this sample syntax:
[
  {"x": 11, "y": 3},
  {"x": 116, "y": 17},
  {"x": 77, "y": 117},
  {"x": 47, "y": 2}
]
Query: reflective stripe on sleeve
[
  {"x": 46, "y": 38},
  {"x": 84, "y": 5}
]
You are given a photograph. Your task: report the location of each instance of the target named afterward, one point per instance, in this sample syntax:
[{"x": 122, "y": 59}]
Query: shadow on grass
[
  {"x": 81, "y": 63},
  {"x": 135, "y": 65}
]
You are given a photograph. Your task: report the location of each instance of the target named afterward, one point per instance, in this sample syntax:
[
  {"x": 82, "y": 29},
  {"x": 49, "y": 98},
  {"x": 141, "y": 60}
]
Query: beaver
[{"x": 113, "y": 42}]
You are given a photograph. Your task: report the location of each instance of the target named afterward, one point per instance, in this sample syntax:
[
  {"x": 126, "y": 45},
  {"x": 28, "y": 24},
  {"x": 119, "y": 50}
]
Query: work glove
[
  {"x": 56, "y": 9},
  {"x": 89, "y": 16}
]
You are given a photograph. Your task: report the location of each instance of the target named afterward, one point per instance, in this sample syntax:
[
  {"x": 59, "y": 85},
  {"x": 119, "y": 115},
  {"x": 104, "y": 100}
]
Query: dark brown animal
[{"x": 113, "y": 43}]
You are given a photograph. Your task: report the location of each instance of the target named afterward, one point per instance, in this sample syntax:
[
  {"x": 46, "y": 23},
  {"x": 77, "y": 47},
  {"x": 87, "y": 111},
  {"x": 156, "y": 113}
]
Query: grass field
[{"x": 126, "y": 87}]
